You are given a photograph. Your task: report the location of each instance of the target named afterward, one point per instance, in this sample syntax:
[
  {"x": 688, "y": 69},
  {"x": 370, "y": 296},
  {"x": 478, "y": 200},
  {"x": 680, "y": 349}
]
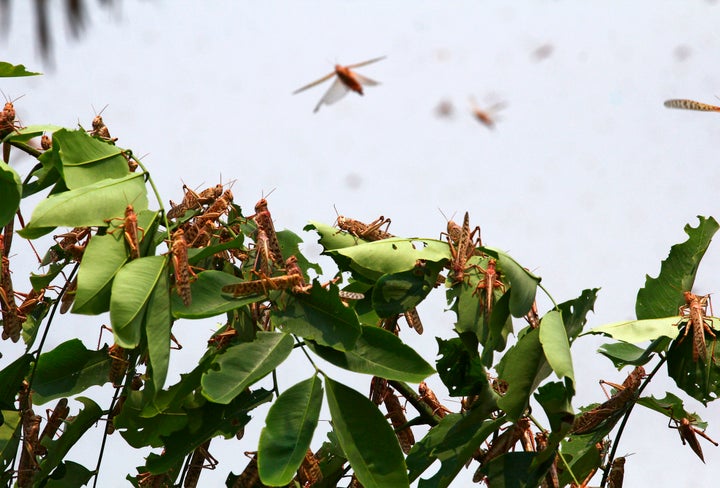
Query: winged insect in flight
[{"x": 346, "y": 80}]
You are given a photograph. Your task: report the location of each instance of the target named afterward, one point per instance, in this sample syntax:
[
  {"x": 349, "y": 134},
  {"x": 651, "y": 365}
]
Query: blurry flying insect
[
  {"x": 346, "y": 80},
  {"x": 691, "y": 105},
  {"x": 444, "y": 109},
  {"x": 487, "y": 116}
]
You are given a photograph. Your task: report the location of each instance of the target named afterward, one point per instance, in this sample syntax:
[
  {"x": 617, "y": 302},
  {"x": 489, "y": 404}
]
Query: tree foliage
[{"x": 147, "y": 268}]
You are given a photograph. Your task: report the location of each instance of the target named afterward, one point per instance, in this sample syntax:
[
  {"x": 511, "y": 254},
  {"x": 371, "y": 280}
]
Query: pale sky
[{"x": 587, "y": 179}]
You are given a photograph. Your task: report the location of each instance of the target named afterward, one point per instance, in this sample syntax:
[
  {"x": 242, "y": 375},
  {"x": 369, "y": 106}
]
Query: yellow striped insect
[{"x": 685, "y": 104}]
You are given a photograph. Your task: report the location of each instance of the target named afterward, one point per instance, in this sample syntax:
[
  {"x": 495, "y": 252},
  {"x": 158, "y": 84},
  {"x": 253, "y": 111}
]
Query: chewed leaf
[
  {"x": 663, "y": 295},
  {"x": 635, "y": 331}
]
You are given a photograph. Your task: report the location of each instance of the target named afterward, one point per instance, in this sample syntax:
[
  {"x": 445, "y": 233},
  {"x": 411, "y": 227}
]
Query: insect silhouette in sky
[
  {"x": 691, "y": 105},
  {"x": 488, "y": 116},
  {"x": 346, "y": 80}
]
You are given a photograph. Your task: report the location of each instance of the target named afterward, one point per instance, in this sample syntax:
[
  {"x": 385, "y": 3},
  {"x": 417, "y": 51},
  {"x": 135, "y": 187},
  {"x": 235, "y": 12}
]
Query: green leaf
[
  {"x": 635, "y": 331},
  {"x": 11, "y": 378},
  {"x": 91, "y": 205},
  {"x": 73, "y": 431},
  {"x": 10, "y": 430},
  {"x": 10, "y": 193},
  {"x": 157, "y": 329},
  {"x": 700, "y": 379},
  {"x": 104, "y": 256},
  {"x": 204, "y": 423},
  {"x": 661, "y": 296},
  {"x": 8, "y": 70},
  {"x": 555, "y": 399},
  {"x": 556, "y": 347},
  {"x": 521, "y": 281},
  {"x": 69, "y": 474},
  {"x": 69, "y": 369},
  {"x": 208, "y": 300},
  {"x": 459, "y": 368},
  {"x": 374, "y": 259},
  {"x": 380, "y": 353},
  {"x": 624, "y": 353},
  {"x": 672, "y": 407},
  {"x": 320, "y": 316},
  {"x": 457, "y": 447},
  {"x": 24, "y": 134},
  {"x": 574, "y": 312},
  {"x": 366, "y": 438},
  {"x": 131, "y": 289},
  {"x": 510, "y": 470},
  {"x": 523, "y": 368},
  {"x": 582, "y": 455},
  {"x": 86, "y": 160},
  {"x": 332, "y": 238},
  {"x": 289, "y": 427},
  {"x": 289, "y": 245},
  {"x": 243, "y": 364},
  {"x": 399, "y": 292}
]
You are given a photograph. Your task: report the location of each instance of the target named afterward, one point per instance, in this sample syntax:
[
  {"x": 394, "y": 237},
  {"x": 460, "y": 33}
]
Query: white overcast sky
[{"x": 587, "y": 179}]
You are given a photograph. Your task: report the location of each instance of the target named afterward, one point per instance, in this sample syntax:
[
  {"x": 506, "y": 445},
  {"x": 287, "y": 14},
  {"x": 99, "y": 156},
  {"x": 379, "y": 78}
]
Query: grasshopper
[
  {"x": 489, "y": 283},
  {"x": 197, "y": 463},
  {"x": 130, "y": 231},
  {"x": 589, "y": 420},
  {"x": 99, "y": 129},
  {"x": 309, "y": 472},
  {"x": 691, "y": 105},
  {"x": 12, "y": 320},
  {"x": 431, "y": 400},
  {"x": 58, "y": 416},
  {"x": 263, "y": 285},
  {"x": 263, "y": 219},
  {"x": 687, "y": 434},
  {"x": 398, "y": 420},
  {"x": 369, "y": 232},
  {"x": 181, "y": 266},
  {"x": 462, "y": 249},
  {"x": 694, "y": 313}
]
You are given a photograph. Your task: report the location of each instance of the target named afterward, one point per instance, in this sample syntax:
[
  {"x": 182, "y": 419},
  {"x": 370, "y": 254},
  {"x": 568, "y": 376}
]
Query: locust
[
  {"x": 431, "y": 400},
  {"x": 249, "y": 477},
  {"x": 12, "y": 320},
  {"x": 58, "y": 416},
  {"x": 293, "y": 269},
  {"x": 487, "y": 116},
  {"x": 181, "y": 267},
  {"x": 617, "y": 473},
  {"x": 398, "y": 420},
  {"x": 413, "y": 319},
  {"x": 694, "y": 313},
  {"x": 379, "y": 389},
  {"x": 99, "y": 129},
  {"x": 686, "y": 104},
  {"x": 118, "y": 365},
  {"x": 45, "y": 142},
  {"x": 519, "y": 432},
  {"x": 130, "y": 231},
  {"x": 687, "y": 434},
  {"x": 369, "y": 232},
  {"x": 263, "y": 285},
  {"x": 591, "y": 419},
  {"x": 74, "y": 242},
  {"x": 68, "y": 296},
  {"x": 489, "y": 283},
  {"x": 346, "y": 80},
  {"x": 309, "y": 471},
  {"x": 28, "y": 465},
  {"x": 463, "y": 249},
  {"x": 263, "y": 219},
  {"x": 200, "y": 456}
]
